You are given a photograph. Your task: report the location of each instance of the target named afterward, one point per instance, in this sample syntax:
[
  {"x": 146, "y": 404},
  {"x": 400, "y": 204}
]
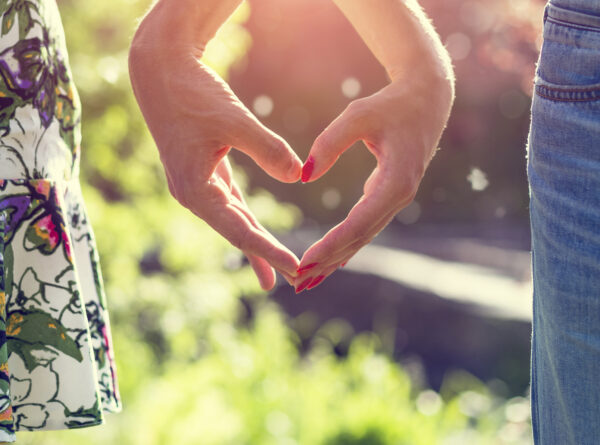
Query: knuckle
[
  {"x": 406, "y": 186},
  {"x": 241, "y": 240},
  {"x": 355, "y": 108},
  {"x": 358, "y": 109}
]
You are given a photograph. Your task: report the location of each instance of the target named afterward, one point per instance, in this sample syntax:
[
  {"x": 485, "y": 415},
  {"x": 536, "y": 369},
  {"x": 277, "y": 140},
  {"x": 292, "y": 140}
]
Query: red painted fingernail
[
  {"x": 316, "y": 282},
  {"x": 303, "y": 285},
  {"x": 305, "y": 268},
  {"x": 344, "y": 263},
  {"x": 308, "y": 168}
]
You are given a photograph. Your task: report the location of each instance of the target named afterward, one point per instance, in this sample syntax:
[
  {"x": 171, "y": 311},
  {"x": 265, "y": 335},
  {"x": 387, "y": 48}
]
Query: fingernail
[
  {"x": 308, "y": 168},
  {"x": 305, "y": 268},
  {"x": 316, "y": 282},
  {"x": 303, "y": 285}
]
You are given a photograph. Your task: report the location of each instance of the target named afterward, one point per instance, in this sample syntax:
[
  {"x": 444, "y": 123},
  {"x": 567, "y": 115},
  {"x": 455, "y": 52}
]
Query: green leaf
[
  {"x": 30, "y": 331},
  {"x": 84, "y": 416},
  {"x": 8, "y": 20},
  {"x": 25, "y": 20}
]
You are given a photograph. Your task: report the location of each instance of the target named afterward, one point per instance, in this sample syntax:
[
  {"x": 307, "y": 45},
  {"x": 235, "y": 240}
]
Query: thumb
[
  {"x": 269, "y": 150},
  {"x": 350, "y": 126}
]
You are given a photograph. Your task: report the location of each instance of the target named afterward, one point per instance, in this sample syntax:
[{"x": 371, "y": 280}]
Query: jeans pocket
[{"x": 569, "y": 65}]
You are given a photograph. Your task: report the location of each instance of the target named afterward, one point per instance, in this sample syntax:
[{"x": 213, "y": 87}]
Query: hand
[
  {"x": 195, "y": 120},
  {"x": 401, "y": 126}
]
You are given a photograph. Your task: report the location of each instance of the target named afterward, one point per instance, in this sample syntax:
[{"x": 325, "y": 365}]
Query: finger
[
  {"x": 332, "y": 261},
  {"x": 237, "y": 193},
  {"x": 224, "y": 170},
  {"x": 309, "y": 282},
  {"x": 382, "y": 200},
  {"x": 263, "y": 270},
  {"x": 243, "y": 207},
  {"x": 271, "y": 152},
  {"x": 289, "y": 278},
  {"x": 233, "y": 224},
  {"x": 350, "y": 126}
]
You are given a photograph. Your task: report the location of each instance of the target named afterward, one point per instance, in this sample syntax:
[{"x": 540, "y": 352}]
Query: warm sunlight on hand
[
  {"x": 401, "y": 126},
  {"x": 195, "y": 120}
]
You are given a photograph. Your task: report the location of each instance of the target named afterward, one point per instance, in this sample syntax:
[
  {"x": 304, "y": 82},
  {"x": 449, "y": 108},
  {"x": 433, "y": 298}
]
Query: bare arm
[{"x": 400, "y": 36}]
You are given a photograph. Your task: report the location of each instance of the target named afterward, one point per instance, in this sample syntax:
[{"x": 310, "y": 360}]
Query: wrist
[
  {"x": 430, "y": 68},
  {"x": 173, "y": 24}
]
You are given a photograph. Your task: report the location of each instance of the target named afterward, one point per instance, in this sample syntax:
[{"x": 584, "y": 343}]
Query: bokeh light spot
[
  {"x": 513, "y": 433},
  {"x": 331, "y": 198},
  {"x": 109, "y": 68},
  {"x": 476, "y": 16},
  {"x": 517, "y": 410},
  {"x": 473, "y": 404},
  {"x": 429, "y": 402},
  {"x": 351, "y": 87},
  {"x": 278, "y": 423},
  {"x": 410, "y": 214},
  {"x": 262, "y": 105},
  {"x": 458, "y": 45},
  {"x": 375, "y": 368},
  {"x": 478, "y": 179}
]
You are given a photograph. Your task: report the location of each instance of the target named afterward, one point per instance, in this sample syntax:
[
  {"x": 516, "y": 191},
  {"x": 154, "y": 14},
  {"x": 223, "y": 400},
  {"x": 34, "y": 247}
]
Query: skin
[
  {"x": 196, "y": 119},
  {"x": 400, "y": 125}
]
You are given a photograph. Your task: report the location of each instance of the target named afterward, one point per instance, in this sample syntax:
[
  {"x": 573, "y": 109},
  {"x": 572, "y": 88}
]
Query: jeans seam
[
  {"x": 572, "y": 25},
  {"x": 561, "y": 95}
]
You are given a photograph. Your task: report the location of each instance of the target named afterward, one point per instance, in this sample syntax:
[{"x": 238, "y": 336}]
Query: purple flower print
[{"x": 32, "y": 69}]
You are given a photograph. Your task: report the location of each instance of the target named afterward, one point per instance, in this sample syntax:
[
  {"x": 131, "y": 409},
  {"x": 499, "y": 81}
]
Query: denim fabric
[{"x": 564, "y": 177}]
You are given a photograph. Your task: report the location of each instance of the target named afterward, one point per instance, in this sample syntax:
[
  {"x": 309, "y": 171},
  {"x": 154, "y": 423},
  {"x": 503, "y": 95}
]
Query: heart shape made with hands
[
  {"x": 400, "y": 125},
  {"x": 402, "y": 153}
]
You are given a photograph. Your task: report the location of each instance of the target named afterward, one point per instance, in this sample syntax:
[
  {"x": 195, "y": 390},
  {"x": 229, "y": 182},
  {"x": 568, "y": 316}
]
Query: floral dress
[{"x": 56, "y": 364}]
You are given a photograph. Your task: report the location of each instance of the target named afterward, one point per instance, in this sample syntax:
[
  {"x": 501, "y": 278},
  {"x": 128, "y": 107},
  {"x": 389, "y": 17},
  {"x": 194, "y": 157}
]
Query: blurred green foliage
[{"x": 203, "y": 356}]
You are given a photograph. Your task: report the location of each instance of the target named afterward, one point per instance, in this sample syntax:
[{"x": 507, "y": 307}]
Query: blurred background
[{"x": 423, "y": 338}]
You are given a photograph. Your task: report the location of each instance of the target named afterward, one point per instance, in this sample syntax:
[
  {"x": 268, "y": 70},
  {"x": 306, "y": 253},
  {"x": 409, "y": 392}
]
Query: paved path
[
  {"x": 496, "y": 293},
  {"x": 496, "y": 279}
]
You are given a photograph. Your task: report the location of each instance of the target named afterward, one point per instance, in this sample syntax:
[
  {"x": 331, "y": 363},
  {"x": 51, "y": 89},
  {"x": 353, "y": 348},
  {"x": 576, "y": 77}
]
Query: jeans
[{"x": 564, "y": 178}]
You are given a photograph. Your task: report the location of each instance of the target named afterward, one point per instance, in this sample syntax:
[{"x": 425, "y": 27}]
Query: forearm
[
  {"x": 400, "y": 36},
  {"x": 188, "y": 22}
]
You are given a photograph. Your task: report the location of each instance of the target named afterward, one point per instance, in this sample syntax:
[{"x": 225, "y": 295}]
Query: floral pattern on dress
[{"x": 56, "y": 363}]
